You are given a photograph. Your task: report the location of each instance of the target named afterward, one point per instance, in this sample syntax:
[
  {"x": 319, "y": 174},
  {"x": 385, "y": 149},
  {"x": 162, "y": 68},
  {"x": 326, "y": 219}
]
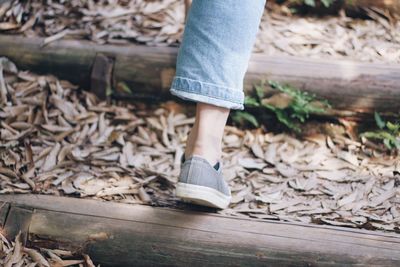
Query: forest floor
[{"x": 57, "y": 139}]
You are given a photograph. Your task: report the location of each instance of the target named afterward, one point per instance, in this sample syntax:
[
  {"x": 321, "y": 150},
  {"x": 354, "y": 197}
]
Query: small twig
[
  {"x": 61, "y": 35},
  {"x": 55, "y": 37}
]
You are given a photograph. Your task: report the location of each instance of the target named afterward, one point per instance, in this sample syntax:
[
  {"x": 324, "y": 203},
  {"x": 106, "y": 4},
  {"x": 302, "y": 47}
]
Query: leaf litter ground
[
  {"x": 56, "y": 139},
  {"x": 15, "y": 254}
]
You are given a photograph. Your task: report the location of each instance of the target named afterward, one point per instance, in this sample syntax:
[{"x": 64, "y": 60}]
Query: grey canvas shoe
[{"x": 202, "y": 184}]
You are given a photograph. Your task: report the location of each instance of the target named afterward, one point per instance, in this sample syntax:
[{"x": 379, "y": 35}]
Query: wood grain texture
[
  {"x": 101, "y": 76},
  {"x": 4, "y": 209},
  {"x": 117, "y": 234},
  {"x": 18, "y": 220},
  {"x": 349, "y": 86},
  {"x": 392, "y": 5}
]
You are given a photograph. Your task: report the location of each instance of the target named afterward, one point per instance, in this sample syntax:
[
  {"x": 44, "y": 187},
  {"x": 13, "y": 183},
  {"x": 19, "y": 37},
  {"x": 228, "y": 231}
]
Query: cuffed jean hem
[{"x": 209, "y": 93}]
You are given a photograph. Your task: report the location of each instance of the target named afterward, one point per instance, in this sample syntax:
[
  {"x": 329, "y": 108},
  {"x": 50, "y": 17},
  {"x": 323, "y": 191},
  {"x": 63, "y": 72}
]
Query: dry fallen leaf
[{"x": 15, "y": 254}]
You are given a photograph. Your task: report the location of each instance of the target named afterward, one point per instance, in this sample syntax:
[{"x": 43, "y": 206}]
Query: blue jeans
[{"x": 215, "y": 51}]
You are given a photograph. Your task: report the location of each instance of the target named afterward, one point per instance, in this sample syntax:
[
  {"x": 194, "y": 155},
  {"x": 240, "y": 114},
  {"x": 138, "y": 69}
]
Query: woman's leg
[
  {"x": 212, "y": 60},
  {"x": 205, "y": 138}
]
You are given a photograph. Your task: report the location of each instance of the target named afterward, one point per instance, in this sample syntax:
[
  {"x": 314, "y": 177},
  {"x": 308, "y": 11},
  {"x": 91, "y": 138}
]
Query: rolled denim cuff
[{"x": 209, "y": 93}]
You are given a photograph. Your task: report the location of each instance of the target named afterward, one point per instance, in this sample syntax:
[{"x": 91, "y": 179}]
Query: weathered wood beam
[
  {"x": 116, "y": 234},
  {"x": 351, "y": 5},
  {"x": 351, "y": 87},
  {"x": 391, "y": 5},
  {"x": 18, "y": 220},
  {"x": 101, "y": 76},
  {"x": 4, "y": 209}
]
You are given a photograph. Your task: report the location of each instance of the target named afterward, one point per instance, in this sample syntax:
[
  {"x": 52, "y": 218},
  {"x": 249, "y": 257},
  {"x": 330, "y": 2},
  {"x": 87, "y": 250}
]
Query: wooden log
[
  {"x": 18, "y": 220},
  {"x": 391, "y": 5},
  {"x": 101, "y": 76},
  {"x": 117, "y": 234},
  {"x": 351, "y": 87},
  {"x": 4, "y": 209}
]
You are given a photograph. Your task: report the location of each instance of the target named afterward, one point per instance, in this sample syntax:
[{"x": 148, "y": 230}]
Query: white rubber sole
[{"x": 202, "y": 195}]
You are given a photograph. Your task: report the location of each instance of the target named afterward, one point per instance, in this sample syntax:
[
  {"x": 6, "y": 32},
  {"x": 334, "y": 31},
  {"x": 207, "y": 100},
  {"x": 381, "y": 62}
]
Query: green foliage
[
  {"x": 123, "y": 87},
  {"x": 379, "y": 122},
  {"x": 310, "y": 2},
  {"x": 290, "y": 106},
  {"x": 388, "y": 133},
  {"x": 251, "y": 102},
  {"x": 243, "y": 116}
]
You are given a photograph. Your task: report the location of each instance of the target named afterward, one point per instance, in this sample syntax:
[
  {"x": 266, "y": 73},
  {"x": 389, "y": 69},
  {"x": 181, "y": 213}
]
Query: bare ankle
[
  {"x": 209, "y": 149},
  {"x": 205, "y": 138}
]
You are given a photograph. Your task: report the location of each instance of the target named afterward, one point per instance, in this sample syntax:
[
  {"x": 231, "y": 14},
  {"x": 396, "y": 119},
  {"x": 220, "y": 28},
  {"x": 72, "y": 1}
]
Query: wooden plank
[
  {"x": 4, "y": 209},
  {"x": 101, "y": 76},
  {"x": 165, "y": 237},
  {"x": 110, "y": 241},
  {"x": 18, "y": 220},
  {"x": 62, "y": 60},
  {"x": 391, "y": 5},
  {"x": 351, "y": 87}
]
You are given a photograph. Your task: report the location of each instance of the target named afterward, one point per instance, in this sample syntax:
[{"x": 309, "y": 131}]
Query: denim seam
[
  {"x": 212, "y": 84},
  {"x": 192, "y": 91},
  {"x": 197, "y": 93}
]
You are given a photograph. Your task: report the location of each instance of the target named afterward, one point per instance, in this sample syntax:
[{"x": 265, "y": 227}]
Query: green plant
[
  {"x": 388, "y": 133},
  {"x": 241, "y": 117},
  {"x": 290, "y": 106}
]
